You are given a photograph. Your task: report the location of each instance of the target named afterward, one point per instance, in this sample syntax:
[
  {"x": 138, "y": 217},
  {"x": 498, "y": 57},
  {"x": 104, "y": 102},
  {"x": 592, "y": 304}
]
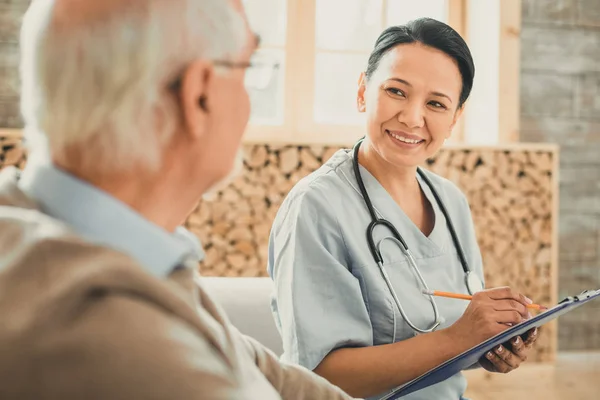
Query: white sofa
[{"x": 247, "y": 304}]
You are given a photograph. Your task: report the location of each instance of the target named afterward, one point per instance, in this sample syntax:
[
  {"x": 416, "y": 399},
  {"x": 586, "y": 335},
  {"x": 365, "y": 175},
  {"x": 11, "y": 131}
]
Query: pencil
[{"x": 468, "y": 297}]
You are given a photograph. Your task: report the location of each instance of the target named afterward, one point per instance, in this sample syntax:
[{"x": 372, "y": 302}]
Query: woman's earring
[{"x": 361, "y": 106}]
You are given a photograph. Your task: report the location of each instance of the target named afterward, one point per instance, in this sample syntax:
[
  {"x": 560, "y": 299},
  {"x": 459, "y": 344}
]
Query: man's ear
[
  {"x": 196, "y": 86},
  {"x": 361, "y": 105},
  {"x": 457, "y": 115}
]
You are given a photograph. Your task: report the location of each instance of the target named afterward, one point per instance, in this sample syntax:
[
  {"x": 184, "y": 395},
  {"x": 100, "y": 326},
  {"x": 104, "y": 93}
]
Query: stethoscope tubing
[{"x": 376, "y": 253}]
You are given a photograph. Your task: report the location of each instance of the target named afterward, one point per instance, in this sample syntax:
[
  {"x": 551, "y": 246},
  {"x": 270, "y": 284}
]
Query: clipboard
[{"x": 472, "y": 356}]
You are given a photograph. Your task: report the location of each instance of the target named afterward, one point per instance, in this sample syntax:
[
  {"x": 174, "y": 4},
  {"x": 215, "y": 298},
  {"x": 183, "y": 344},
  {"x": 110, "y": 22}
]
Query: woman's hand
[
  {"x": 509, "y": 356},
  {"x": 489, "y": 313}
]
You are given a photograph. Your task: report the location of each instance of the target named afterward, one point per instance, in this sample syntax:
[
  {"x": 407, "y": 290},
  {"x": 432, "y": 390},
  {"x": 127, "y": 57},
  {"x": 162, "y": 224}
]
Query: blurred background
[{"x": 526, "y": 153}]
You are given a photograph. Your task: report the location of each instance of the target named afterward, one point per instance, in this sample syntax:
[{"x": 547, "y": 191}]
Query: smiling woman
[
  {"x": 350, "y": 306},
  {"x": 413, "y": 92}
]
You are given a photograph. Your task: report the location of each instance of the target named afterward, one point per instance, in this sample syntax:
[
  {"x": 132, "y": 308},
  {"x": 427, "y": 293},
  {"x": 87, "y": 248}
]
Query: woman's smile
[{"x": 404, "y": 140}]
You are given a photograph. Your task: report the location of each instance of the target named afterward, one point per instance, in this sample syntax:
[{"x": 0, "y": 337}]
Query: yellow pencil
[{"x": 468, "y": 297}]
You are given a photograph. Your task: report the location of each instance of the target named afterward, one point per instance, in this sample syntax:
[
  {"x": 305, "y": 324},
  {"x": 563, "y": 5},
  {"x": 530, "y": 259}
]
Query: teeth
[{"x": 405, "y": 140}]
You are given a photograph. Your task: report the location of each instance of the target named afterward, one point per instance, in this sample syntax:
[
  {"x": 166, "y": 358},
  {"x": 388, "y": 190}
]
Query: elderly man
[{"x": 134, "y": 109}]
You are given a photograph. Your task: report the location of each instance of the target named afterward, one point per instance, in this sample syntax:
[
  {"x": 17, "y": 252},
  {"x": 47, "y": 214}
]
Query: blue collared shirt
[{"x": 102, "y": 219}]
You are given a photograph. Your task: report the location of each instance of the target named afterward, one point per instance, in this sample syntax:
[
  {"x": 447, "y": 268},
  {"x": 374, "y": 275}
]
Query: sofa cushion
[{"x": 247, "y": 302}]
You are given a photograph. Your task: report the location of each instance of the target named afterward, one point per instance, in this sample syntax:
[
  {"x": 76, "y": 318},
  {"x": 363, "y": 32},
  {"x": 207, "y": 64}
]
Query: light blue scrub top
[{"x": 329, "y": 292}]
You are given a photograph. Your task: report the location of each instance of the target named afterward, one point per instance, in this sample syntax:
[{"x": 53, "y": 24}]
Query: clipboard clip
[{"x": 586, "y": 294}]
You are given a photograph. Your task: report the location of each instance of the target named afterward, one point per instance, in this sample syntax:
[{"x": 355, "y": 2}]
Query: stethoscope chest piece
[{"x": 473, "y": 282}]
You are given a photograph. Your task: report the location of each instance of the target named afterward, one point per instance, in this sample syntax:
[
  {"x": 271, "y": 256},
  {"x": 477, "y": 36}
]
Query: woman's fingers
[
  {"x": 508, "y": 357},
  {"x": 506, "y": 293},
  {"x": 491, "y": 312},
  {"x": 505, "y": 360},
  {"x": 508, "y": 317},
  {"x": 498, "y": 363},
  {"x": 512, "y": 305},
  {"x": 519, "y": 349},
  {"x": 532, "y": 336}
]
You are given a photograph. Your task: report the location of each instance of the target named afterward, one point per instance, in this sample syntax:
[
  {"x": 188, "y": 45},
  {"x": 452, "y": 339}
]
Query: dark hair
[{"x": 432, "y": 33}]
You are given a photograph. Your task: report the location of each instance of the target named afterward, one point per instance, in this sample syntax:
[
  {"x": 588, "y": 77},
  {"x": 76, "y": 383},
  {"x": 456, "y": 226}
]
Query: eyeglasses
[{"x": 258, "y": 74}]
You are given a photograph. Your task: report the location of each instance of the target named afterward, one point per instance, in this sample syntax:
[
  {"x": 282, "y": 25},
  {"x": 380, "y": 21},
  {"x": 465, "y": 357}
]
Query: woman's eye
[
  {"x": 437, "y": 104},
  {"x": 395, "y": 92}
]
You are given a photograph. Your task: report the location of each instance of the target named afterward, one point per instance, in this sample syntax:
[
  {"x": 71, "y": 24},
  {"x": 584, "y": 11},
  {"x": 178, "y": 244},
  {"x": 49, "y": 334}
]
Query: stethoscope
[{"x": 473, "y": 283}]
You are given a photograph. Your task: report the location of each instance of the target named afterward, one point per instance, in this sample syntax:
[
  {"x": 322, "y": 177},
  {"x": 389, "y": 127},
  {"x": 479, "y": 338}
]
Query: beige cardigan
[{"x": 79, "y": 321}]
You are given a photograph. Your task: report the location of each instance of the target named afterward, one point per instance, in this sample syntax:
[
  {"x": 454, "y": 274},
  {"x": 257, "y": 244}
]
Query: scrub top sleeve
[{"x": 318, "y": 302}]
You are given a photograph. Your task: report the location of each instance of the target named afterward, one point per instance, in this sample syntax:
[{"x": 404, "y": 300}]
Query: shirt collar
[{"x": 102, "y": 219}]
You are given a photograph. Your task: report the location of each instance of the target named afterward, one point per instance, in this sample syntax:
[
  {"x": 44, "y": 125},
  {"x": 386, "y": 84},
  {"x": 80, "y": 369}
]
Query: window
[
  {"x": 321, "y": 47},
  {"x": 269, "y": 20}
]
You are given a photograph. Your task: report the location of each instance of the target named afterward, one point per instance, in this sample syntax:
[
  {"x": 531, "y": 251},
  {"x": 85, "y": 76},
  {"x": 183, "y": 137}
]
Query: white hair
[{"x": 101, "y": 88}]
